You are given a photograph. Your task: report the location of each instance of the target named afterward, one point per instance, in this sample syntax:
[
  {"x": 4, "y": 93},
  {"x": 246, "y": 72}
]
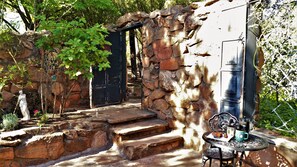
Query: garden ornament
[{"x": 23, "y": 106}]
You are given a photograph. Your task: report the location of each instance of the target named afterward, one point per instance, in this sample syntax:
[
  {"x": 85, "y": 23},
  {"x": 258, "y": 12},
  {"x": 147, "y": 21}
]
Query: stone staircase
[{"x": 141, "y": 134}]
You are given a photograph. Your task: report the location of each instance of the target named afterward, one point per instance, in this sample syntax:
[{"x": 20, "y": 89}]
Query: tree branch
[
  {"x": 24, "y": 18},
  {"x": 37, "y": 11},
  {"x": 11, "y": 26},
  {"x": 10, "y": 4},
  {"x": 31, "y": 25}
]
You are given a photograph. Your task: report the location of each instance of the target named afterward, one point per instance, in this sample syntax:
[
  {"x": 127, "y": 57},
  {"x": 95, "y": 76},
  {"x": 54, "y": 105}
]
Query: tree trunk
[{"x": 133, "y": 53}]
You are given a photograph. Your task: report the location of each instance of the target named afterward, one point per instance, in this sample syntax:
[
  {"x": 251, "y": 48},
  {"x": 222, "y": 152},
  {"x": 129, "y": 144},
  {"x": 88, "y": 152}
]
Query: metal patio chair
[{"x": 219, "y": 123}]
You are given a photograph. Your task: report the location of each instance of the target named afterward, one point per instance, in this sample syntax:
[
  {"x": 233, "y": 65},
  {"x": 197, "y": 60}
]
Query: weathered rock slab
[
  {"x": 139, "y": 126},
  {"x": 126, "y": 115},
  {"x": 6, "y": 153},
  {"x": 136, "y": 149}
]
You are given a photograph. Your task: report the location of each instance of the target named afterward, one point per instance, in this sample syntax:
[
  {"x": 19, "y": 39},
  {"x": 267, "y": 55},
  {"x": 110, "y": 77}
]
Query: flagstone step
[
  {"x": 124, "y": 115},
  {"x": 139, "y": 148},
  {"x": 140, "y": 129}
]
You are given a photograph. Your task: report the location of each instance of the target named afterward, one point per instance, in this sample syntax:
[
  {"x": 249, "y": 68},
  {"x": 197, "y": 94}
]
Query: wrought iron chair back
[{"x": 220, "y": 122}]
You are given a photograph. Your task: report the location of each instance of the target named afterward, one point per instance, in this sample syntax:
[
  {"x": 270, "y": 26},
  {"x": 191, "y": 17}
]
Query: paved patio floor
[
  {"x": 178, "y": 158},
  {"x": 110, "y": 158}
]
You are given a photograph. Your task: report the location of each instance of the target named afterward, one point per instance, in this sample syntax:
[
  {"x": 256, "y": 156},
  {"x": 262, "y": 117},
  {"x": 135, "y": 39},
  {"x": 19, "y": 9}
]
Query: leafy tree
[
  {"x": 79, "y": 38},
  {"x": 278, "y": 40},
  {"x": 94, "y": 11},
  {"x": 23, "y": 8},
  {"x": 126, "y": 6},
  {"x": 12, "y": 73},
  {"x": 80, "y": 47},
  {"x": 74, "y": 29}
]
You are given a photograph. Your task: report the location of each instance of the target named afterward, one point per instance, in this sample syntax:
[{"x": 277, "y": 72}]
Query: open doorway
[{"x": 134, "y": 63}]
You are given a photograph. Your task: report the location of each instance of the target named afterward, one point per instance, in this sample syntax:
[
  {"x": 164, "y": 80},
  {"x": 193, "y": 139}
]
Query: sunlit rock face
[
  {"x": 182, "y": 48},
  {"x": 36, "y": 145}
]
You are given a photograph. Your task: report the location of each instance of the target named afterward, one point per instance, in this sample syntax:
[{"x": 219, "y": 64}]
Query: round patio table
[{"x": 253, "y": 143}]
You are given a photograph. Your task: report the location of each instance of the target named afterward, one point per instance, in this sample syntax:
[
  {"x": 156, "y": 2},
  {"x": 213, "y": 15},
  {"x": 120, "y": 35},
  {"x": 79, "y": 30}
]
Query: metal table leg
[{"x": 241, "y": 158}]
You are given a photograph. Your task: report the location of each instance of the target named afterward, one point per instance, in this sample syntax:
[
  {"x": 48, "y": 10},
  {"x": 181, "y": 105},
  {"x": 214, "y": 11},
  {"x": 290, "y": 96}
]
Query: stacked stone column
[{"x": 180, "y": 72}]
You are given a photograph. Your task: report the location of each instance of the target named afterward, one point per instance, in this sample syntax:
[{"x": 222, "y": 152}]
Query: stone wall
[
  {"x": 43, "y": 77},
  {"x": 76, "y": 134},
  {"x": 181, "y": 63}
]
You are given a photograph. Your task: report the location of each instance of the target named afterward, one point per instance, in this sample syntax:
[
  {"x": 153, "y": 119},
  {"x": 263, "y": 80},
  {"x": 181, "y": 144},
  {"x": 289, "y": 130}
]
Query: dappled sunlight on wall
[
  {"x": 193, "y": 105},
  {"x": 182, "y": 62}
]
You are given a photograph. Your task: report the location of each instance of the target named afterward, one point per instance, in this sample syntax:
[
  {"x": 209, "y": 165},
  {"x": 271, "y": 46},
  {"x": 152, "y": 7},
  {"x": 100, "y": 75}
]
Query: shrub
[
  {"x": 278, "y": 115},
  {"x": 10, "y": 121},
  {"x": 43, "y": 117}
]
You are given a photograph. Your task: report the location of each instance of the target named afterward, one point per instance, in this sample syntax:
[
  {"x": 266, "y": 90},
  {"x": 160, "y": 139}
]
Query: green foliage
[
  {"x": 278, "y": 40},
  {"x": 9, "y": 42},
  {"x": 127, "y": 6},
  {"x": 273, "y": 113},
  {"x": 5, "y": 38},
  {"x": 16, "y": 73},
  {"x": 3, "y": 80},
  {"x": 12, "y": 73},
  {"x": 43, "y": 117},
  {"x": 10, "y": 121},
  {"x": 42, "y": 120},
  {"x": 95, "y": 11},
  {"x": 37, "y": 113},
  {"x": 81, "y": 47}
]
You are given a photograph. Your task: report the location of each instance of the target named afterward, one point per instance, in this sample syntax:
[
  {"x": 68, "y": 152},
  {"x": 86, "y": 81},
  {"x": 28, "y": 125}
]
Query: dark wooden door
[{"x": 109, "y": 86}]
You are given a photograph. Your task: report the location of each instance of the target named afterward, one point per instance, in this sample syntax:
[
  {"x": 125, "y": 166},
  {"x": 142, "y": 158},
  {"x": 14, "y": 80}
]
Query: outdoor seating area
[
  {"x": 219, "y": 124},
  {"x": 228, "y": 141}
]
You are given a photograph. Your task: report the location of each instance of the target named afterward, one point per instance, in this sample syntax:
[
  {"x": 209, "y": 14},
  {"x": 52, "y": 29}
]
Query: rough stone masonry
[{"x": 182, "y": 60}]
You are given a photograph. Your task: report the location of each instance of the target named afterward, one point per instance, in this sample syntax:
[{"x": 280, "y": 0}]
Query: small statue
[{"x": 23, "y": 106}]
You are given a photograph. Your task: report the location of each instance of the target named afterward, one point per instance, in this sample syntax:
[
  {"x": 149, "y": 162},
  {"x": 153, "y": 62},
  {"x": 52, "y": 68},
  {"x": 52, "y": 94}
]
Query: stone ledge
[
  {"x": 276, "y": 139},
  {"x": 12, "y": 134},
  {"x": 35, "y": 145},
  {"x": 9, "y": 143}
]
